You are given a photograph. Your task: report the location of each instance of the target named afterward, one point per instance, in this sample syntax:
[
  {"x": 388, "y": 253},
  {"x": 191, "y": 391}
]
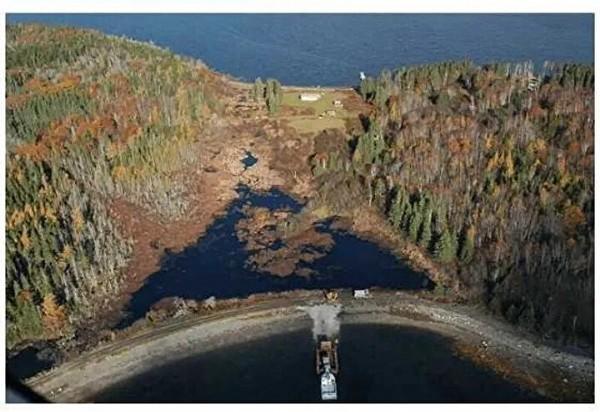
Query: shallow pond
[
  {"x": 216, "y": 264},
  {"x": 377, "y": 364}
]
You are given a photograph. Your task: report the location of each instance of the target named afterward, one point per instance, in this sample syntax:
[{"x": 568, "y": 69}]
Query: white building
[
  {"x": 361, "y": 293},
  {"x": 309, "y": 97}
]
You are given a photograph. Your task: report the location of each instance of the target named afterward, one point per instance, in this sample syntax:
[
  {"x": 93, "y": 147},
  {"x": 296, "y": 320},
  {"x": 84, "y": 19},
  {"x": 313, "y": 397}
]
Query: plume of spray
[{"x": 325, "y": 320}]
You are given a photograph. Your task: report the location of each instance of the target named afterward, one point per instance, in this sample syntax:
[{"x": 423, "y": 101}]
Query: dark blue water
[
  {"x": 377, "y": 364},
  {"x": 215, "y": 265},
  {"x": 249, "y": 160},
  {"x": 331, "y": 49},
  {"x": 27, "y": 363}
]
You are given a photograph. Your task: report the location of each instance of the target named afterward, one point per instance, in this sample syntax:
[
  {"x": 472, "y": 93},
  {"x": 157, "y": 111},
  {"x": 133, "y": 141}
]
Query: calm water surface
[
  {"x": 215, "y": 265},
  {"x": 331, "y": 49},
  {"x": 377, "y": 364}
]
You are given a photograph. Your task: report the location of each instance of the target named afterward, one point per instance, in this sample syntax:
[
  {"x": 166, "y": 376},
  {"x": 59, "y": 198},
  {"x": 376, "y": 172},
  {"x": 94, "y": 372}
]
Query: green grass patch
[
  {"x": 309, "y": 124},
  {"x": 325, "y": 103}
]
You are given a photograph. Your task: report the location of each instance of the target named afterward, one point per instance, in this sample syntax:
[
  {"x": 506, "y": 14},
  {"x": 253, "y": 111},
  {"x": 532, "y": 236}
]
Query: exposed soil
[{"x": 516, "y": 356}]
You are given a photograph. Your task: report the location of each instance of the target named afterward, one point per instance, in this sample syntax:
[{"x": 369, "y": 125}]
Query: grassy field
[
  {"x": 309, "y": 124},
  {"x": 312, "y": 123}
]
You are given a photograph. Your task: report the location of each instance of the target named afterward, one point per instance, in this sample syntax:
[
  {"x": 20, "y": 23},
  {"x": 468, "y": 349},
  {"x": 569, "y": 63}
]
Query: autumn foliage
[
  {"x": 89, "y": 118},
  {"x": 489, "y": 170}
]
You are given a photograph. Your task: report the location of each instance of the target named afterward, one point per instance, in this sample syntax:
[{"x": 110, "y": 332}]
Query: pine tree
[
  {"x": 398, "y": 207},
  {"x": 425, "y": 235},
  {"x": 415, "y": 223},
  {"x": 445, "y": 248},
  {"x": 258, "y": 92},
  {"x": 273, "y": 95}
]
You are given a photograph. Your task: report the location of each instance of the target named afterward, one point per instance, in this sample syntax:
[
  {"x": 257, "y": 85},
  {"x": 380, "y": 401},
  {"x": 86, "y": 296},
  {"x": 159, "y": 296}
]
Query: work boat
[
  {"x": 328, "y": 385},
  {"x": 327, "y": 367}
]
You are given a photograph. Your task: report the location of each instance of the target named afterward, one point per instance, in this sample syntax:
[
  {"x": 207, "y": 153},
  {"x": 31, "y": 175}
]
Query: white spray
[{"x": 325, "y": 320}]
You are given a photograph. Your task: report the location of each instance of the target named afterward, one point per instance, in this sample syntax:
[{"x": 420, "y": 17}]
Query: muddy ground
[{"x": 515, "y": 356}]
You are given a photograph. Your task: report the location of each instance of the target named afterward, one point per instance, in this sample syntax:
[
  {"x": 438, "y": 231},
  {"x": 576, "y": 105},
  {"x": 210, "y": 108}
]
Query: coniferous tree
[
  {"x": 445, "y": 248},
  {"x": 273, "y": 95},
  {"x": 258, "y": 91},
  {"x": 425, "y": 234}
]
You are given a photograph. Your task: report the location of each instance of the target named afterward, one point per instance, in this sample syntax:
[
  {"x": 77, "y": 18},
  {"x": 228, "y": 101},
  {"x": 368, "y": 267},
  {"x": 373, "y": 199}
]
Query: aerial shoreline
[
  {"x": 480, "y": 338},
  {"x": 293, "y": 146}
]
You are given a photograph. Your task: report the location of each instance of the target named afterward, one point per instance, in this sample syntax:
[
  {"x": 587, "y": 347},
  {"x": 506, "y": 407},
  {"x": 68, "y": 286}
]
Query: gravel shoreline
[{"x": 518, "y": 357}]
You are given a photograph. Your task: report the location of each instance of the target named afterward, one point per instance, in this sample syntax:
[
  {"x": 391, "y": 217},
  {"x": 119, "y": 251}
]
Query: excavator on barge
[{"x": 327, "y": 366}]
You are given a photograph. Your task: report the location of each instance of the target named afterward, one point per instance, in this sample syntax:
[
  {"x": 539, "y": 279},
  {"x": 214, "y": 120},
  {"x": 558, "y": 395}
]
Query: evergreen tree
[
  {"x": 258, "y": 91},
  {"x": 425, "y": 235},
  {"x": 398, "y": 207},
  {"x": 445, "y": 248},
  {"x": 414, "y": 224},
  {"x": 274, "y": 95}
]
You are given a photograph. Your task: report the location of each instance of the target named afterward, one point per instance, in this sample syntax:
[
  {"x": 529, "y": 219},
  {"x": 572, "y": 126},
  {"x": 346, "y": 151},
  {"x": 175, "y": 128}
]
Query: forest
[
  {"x": 90, "y": 118},
  {"x": 489, "y": 170}
]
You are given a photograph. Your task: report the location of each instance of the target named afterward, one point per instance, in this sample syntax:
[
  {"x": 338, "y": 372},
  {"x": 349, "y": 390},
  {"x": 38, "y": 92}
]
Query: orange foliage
[
  {"x": 54, "y": 317},
  {"x": 536, "y": 111},
  {"x": 459, "y": 146},
  {"x": 17, "y": 100},
  {"x": 25, "y": 296},
  {"x": 38, "y": 86},
  {"x": 573, "y": 217}
]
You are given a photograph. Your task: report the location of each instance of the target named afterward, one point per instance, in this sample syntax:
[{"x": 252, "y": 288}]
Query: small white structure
[
  {"x": 309, "y": 97},
  {"x": 361, "y": 293},
  {"x": 337, "y": 103},
  {"x": 533, "y": 83},
  {"x": 328, "y": 385},
  {"x": 362, "y": 76}
]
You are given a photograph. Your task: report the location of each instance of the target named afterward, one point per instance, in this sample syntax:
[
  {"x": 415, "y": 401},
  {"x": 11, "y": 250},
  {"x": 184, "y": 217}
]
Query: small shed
[
  {"x": 361, "y": 293},
  {"x": 338, "y": 103},
  {"x": 309, "y": 97}
]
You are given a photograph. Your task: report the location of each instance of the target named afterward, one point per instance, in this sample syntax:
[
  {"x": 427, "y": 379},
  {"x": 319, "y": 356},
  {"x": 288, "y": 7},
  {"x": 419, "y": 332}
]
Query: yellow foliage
[
  {"x": 25, "y": 240},
  {"x": 493, "y": 162},
  {"x": 538, "y": 146},
  {"x": 509, "y": 165},
  {"x": 111, "y": 150},
  {"x": 64, "y": 256},
  {"x": 48, "y": 213},
  {"x": 29, "y": 211},
  {"x": 119, "y": 172},
  {"x": 77, "y": 218},
  {"x": 16, "y": 218},
  {"x": 54, "y": 317},
  {"x": 67, "y": 252},
  {"x": 471, "y": 232}
]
